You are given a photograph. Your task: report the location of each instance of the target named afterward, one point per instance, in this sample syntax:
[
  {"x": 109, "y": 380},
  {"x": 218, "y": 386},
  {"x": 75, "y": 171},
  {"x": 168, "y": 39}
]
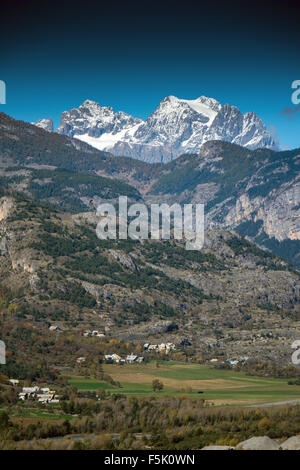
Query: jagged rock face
[
  {"x": 254, "y": 134},
  {"x": 93, "y": 120},
  {"x": 280, "y": 212},
  {"x": 176, "y": 126},
  {"x": 248, "y": 130},
  {"x": 125, "y": 259},
  {"x": 273, "y": 206},
  {"x": 46, "y": 124},
  {"x": 20, "y": 259},
  {"x": 254, "y": 192},
  {"x": 6, "y": 207},
  {"x": 175, "y": 120}
]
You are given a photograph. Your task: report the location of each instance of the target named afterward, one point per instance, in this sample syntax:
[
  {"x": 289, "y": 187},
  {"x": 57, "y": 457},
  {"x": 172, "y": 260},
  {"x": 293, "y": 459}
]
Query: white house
[
  {"x": 30, "y": 390},
  {"x": 54, "y": 328},
  {"x": 14, "y": 382},
  {"x": 96, "y": 333},
  {"x": 43, "y": 395},
  {"x": 113, "y": 357},
  {"x": 131, "y": 358},
  {"x": 233, "y": 363},
  {"x": 116, "y": 357},
  {"x": 81, "y": 359}
]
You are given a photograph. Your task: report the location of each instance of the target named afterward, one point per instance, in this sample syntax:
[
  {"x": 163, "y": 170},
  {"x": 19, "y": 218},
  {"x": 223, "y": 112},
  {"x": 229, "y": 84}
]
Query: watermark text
[
  {"x": 2, "y": 353},
  {"x": 2, "y": 92},
  {"x": 296, "y": 353},
  {"x": 296, "y": 93},
  {"x": 157, "y": 221}
]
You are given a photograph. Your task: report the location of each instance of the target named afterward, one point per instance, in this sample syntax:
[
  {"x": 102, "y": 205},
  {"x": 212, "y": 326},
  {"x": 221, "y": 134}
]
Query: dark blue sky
[{"x": 54, "y": 55}]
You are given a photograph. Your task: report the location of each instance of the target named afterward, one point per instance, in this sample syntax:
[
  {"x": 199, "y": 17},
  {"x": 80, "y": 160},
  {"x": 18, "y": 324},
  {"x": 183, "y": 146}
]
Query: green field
[
  {"x": 220, "y": 387},
  {"x": 27, "y": 415}
]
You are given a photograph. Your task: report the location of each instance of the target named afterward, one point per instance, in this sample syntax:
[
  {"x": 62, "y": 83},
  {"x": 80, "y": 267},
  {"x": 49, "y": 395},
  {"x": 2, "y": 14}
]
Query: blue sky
[{"x": 53, "y": 57}]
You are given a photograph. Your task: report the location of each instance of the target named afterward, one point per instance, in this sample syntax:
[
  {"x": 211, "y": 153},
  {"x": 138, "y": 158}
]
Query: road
[{"x": 277, "y": 403}]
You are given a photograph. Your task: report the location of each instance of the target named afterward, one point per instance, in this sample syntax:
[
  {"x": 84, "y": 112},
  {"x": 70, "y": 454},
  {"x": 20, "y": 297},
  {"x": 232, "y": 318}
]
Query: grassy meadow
[{"x": 219, "y": 387}]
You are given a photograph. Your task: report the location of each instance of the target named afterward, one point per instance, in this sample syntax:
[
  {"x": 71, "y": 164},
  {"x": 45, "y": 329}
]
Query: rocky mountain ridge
[
  {"x": 175, "y": 127},
  {"x": 255, "y": 192}
]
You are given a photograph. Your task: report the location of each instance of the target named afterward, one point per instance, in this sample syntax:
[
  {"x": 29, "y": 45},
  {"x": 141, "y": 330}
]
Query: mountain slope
[
  {"x": 61, "y": 272},
  {"x": 71, "y": 191},
  {"x": 254, "y": 192},
  {"x": 23, "y": 144},
  {"x": 176, "y": 126}
]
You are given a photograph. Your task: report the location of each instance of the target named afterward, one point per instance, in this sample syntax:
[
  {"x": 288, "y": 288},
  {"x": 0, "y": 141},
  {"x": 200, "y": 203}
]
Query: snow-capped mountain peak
[
  {"x": 206, "y": 106},
  {"x": 91, "y": 119},
  {"x": 46, "y": 124},
  {"x": 176, "y": 126}
]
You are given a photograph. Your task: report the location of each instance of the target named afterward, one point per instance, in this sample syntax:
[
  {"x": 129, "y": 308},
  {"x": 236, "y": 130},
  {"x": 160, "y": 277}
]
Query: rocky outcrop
[
  {"x": 279, "y": 211},
  {"x": 95, "y": 290},
  {"x": 217, "y": 448},
  {"x": 46, "y": 124},
  {"x": 293, "y": 443},
  {"x": 258, "y": 443},
  {"x": 124, "y": 259},
  {"x": 6, "y": 207}
]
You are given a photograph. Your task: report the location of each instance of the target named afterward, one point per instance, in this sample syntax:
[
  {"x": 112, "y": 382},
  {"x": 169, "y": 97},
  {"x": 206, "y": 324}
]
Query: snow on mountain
[
  {"x": 93, "y": 120},
  {"x": 46, "y": 124},
  {"x": 107, "y": 140},
  {"x": 175, "y": 127}
]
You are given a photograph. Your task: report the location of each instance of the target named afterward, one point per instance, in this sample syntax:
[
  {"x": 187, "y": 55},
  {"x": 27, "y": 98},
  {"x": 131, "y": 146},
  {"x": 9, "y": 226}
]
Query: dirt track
[{"x": 277, "y": 403}]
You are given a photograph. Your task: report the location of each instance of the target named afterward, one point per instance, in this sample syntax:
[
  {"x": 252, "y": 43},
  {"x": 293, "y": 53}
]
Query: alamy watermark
[
  {"x": 157, "y": 221},
  {"x": 2, "y": 353},
  {"x": 296, "y": 93},
  {"x": 296, "y": 353},
  {"x": 2, "y": 92}
]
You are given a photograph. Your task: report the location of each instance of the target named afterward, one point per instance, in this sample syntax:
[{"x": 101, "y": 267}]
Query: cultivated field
[{"x": 219, "y": 387}]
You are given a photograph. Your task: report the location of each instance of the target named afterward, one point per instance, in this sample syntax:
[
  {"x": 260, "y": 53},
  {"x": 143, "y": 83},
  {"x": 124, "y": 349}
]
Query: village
[
  {"x": 42, "y": 395},
  {"x": 131, "y": 358}
]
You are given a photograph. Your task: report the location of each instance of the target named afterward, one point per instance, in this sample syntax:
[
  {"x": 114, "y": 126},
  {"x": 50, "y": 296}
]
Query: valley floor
[{"x": 217, "y": 387}]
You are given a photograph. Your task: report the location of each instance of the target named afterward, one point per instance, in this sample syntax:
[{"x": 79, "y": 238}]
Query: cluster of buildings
[
  {"x": 42, "y": 395},
  {"x": 97, "y": 333},
  {"x": 163, "y": 347},
  {"x": 229, "y": 361},
  {"x": 129, "y": 359}
]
